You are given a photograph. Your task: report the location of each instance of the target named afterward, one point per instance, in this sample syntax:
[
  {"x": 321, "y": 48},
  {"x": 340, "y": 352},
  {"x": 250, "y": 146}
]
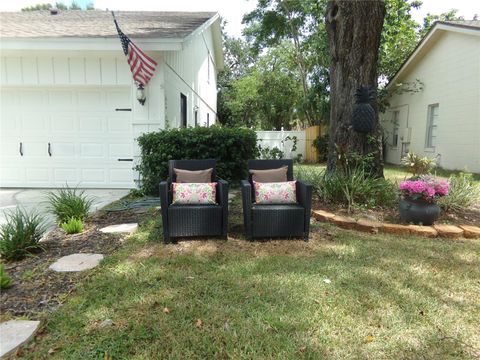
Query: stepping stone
[
  {"x": 15, "y": 333},
  {"x": 343, "y": 222},
  {"x": 368, "y": 226},
  {"x": 76, "y": 262},
  {"x": 321, "y": 215},
  {"x": 395, "y": 229},
  {"x": 470, "y": 231},
  {"x": 231, "y": 196},
  {"x": 449, "y": 231},
  {"x": 419, "y": 230},
  {"x": 120, "y": 228}
]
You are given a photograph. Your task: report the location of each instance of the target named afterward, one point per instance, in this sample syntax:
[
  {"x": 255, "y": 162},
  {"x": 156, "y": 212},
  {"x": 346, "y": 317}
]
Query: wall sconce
[
  {"x": 195, "y": 108},
  {"x": 141, "y": 97}
]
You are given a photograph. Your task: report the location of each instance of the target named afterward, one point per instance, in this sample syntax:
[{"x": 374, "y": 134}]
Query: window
[
  {"x": 183, "y": 110},
  {"x": 395, "y": 121},
  {"x": 432, "y": 121}
]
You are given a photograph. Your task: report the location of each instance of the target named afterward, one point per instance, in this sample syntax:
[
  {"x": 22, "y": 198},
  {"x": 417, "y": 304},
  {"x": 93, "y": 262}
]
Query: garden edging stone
[{"x": 370, "y": 226}]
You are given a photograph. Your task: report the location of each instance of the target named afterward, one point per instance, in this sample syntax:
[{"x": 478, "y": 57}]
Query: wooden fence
[{"x": 311, "y": 133}]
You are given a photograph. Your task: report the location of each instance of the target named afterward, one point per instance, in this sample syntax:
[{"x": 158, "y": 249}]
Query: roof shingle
[{"x": 94, "y": 24}]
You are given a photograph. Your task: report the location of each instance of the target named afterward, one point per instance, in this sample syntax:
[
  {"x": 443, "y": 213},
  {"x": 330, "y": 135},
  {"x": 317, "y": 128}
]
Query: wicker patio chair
[
  {"x": 272, "y": 220},
  {"x": 184, "y": 220}
]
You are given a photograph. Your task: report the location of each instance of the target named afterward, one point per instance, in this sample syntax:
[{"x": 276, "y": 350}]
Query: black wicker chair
[
  {"x": 184, "y": 220},
  {"x": 270, "y": 220}
]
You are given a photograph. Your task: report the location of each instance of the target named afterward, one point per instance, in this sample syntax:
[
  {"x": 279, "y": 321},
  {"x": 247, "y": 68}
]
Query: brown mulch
[
  {"x": 391, "y": 215},
  {"x": 36, "y": 290}
]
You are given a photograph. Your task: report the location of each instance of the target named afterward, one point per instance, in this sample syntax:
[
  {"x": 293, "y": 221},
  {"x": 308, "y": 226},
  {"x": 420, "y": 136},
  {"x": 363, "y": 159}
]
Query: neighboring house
[
  {"x": 440, "y": 118},
  {"x": 69, "y": 112}
]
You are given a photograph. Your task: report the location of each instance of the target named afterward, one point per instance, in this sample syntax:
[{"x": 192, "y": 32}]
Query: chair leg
[{"x": 305, "y": 237}]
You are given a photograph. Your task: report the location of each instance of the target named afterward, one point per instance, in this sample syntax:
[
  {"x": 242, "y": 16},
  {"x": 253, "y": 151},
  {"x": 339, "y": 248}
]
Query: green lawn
[
  {"x": 342, "y": 295},
  {"x": 398, "y": 173}
]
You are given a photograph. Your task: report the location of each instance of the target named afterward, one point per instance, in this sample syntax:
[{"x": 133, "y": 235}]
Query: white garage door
[{"x": 53, "y": 136}]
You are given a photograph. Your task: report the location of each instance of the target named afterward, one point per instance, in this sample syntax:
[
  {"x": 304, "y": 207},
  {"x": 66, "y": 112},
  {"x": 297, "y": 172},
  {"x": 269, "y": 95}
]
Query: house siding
[
  {"x": 450, "y": 73},
  {"x": 199, "y": 82}
]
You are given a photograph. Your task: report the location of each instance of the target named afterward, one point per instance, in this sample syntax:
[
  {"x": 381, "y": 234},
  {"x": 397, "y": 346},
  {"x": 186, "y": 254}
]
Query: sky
[{"x": 233, "y": 10}]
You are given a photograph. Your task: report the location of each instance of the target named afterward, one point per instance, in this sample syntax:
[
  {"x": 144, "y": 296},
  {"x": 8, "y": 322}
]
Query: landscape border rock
[{"x": 440, "y": 230}]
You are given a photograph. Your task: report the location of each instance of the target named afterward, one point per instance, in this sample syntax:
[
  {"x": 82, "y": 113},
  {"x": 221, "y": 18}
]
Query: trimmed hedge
[{"x": 232, "y": 147}]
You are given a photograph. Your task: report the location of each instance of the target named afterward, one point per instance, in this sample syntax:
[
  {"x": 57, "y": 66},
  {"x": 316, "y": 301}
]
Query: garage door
[{"x": 53, "y": 136}]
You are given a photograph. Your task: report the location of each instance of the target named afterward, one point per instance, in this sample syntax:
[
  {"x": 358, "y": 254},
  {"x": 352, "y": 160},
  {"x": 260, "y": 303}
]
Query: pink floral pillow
[
  {"x": 194, "y": 193},
  {"x": 275, "y": 193}
]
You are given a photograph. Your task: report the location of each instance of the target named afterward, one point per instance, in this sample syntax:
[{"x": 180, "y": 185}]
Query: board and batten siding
[
  {"x": 450, "y": 73},
  {"x": 192, "y": 72}
]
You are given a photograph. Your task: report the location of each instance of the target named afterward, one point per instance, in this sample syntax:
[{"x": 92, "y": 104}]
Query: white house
[
  {"x": 440, "y": 118},
  {"x": 69, "y": 112}
]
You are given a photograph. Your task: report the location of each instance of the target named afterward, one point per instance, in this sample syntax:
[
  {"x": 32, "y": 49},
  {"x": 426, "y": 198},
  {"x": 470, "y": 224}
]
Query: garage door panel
[
  {"x": 88, "y": 100},
  {"x": 61, "y": 100},
  {"x": 64, "y": 123},
  {"x": 37, "y": 175},
  {"x": 86, "y": 135}
]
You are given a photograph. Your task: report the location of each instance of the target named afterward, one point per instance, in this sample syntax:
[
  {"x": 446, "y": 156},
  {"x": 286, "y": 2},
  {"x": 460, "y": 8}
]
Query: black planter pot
[{"x": 419, "y": 211}]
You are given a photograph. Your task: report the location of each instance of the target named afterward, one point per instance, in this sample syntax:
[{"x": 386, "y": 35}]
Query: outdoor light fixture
[{"x": 141, "y": 94}]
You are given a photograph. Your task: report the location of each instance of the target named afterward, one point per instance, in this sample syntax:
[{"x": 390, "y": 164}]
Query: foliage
[
  {"x": 20, "y": 234},
  {"x": 418, "y": 165},
  {"x": 232, "y": 147},
  {"x": 430, "y": 19},
  {"x": 68, "y": 203},
  {"x": 5, "y": 281},
  {"x": 270, "y": 153},
  {"x": 58, "y": 5},
  {"x": 463, "y": 194},
  {"x": 321, "y": 144},
  {"x": 356, "y": 188},
  {"x": 72, "y": 226},
  {"x": 424, "y": 187}
]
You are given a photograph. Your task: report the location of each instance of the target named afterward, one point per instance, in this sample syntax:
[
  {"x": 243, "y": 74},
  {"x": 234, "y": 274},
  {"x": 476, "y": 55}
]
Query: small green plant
[
  {"x": 462, "y": 194},
  {"x": 321, "y": 144},
  {"x": 68, "y": 203},
  {"x": 270, "y": 153},
  {"x": 21, "y": 234},
  {"x": 72, "y": 226},
  {"x": 418, "y": 165},
  {"x": 5, "y": 281}
]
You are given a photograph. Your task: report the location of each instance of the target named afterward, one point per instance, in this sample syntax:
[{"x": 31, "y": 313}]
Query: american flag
[{"x": 142, "y": 66}]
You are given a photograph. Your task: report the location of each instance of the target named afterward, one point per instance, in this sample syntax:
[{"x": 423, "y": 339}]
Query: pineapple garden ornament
[{"x": 363, "y": 117}]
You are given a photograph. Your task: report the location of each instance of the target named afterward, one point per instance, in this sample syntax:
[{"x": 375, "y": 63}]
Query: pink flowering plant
[{"x": 425, "y": 187}]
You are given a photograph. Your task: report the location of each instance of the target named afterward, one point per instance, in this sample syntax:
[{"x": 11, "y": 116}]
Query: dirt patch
[
  {"x": 37, "y": 290},
  {"x": 391, "y": 215}
]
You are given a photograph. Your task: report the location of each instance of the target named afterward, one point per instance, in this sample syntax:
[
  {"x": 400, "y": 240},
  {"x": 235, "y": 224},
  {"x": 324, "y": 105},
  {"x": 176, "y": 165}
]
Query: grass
[{"x": 342, "y": 295}]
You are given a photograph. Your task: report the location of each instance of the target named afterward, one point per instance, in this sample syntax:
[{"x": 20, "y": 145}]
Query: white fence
[{"x": 283, "y": 141}]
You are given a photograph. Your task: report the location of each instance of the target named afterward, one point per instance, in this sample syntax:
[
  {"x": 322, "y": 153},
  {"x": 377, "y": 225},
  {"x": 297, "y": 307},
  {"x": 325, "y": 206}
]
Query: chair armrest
[
  {"x": 304, "y": 194},
  {"x": 304, "y": 197},
  {"x": 164, "y": 202},
  {"x": 223, "y": 202},
  {"x": 247, "y": 207}
]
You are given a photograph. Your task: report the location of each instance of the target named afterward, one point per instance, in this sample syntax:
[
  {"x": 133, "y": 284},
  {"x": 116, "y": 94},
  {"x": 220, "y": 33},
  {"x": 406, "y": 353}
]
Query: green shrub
[
  {"x": 72, "y": 226},
  {"x": 464, "y": 192},
  {"x": 5, "y": 281},
  {"x": 270, "y": 153},
  {"x": 21, "y": 234},
  {"x": 68, "y": 203},
  {"x": 418, "y": 165},
  {"x": 321, "y": 144},
  {"x": 312, "y": 175},
  {"x": 232, "y": 147}
]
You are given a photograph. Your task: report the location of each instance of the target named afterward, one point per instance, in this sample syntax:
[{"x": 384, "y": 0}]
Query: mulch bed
[
  {"x": 37, "y": 290},
  {"x": 391, "y": 215}
]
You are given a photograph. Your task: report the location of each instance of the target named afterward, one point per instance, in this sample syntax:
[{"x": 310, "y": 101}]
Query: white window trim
[
  {"x": 428, "y": 147},
  {"x": 395, "y": 126}
]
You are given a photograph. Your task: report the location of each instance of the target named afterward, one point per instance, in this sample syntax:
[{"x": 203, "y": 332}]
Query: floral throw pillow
[
  {"x": 275, "y": 193},
  {"x": 194, "y": 193}
]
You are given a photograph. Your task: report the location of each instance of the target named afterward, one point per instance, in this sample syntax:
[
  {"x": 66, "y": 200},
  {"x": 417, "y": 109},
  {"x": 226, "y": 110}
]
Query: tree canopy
[{"x": 286, "y": 46}]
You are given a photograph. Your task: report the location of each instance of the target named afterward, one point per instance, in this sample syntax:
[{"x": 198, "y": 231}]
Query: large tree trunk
[{"x": 354, "y": 28}]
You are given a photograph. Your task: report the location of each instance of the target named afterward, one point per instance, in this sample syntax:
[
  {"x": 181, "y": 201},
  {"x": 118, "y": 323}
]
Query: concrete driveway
[{"x": 34, "y": 200}]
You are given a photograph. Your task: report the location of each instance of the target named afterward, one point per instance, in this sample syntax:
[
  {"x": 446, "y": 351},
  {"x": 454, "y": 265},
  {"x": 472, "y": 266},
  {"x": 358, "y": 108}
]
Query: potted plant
[{"x": 420, "y": 194}]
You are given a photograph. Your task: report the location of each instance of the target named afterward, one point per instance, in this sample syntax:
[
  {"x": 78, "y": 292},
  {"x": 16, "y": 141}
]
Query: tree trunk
[{"x": 354, "y": 29}]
